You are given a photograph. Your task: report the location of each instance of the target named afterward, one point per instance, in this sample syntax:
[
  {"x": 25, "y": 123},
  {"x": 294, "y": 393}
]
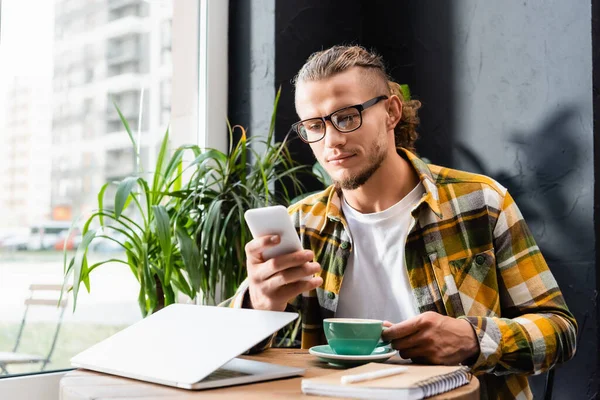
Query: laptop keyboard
[{"x": 224, "y": 374}]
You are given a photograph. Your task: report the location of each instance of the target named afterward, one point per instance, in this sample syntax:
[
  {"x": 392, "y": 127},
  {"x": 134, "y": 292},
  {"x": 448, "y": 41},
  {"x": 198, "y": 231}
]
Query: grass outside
[{"x": 37, "y": 338}]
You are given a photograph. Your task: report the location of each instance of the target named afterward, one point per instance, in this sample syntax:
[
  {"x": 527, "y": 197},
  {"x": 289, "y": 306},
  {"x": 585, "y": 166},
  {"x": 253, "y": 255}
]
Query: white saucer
[{"x": 325, "y": 353}]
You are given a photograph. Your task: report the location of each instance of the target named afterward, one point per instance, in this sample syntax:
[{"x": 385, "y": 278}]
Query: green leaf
[
  {"x": 111, "y": 260},
  {"x": 147, "y": 195},
  {"x": 133, "y": 262},
  {"x": 68, "y": 271},
  {"x": 67, "y": 275},
  {"x": 65, "y": 244},
  {"x": 128, "y": 129},
  {"x": 175, "y": 165},
  {"x": 191, "y": 257},
  {"x": 163, "y": 231},
  {"x": 142, "y": 301},
  {"x": 207, "y": 156},
  {"x": 178, "y": 180},
  {"x": 169, "y": 294},
  {"x": 240, "y": 153},
  {"x": 101, "y": 201},
  {"x": 158, "y": 172},
  {"x": 182, "y": 284},
  {"x": 149, "y": 282},
  {"x": 124, "y": 221},
  {"x": 273, "y": 116},
  {"x": 133, "y": 270},
  {"x": 85, "y": 274},
  {"x": 212, "y": 233},
  {"x": 80, "y": 262},
  {"x": 123, "y": 192},
  {"x": 405, "y": 92},
  {"x": 133, "y": 238},
  {"x": 322, "y": 175}
]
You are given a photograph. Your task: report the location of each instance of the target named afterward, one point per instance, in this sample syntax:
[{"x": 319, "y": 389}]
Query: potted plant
[
  {"x": 186, "y": 235},
  {"x": 139, "y": 222},
  {"x": 210, "y": 208}
]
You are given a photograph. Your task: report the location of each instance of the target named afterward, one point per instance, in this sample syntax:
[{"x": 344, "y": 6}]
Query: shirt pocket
[{"x": 468, "y": 286}]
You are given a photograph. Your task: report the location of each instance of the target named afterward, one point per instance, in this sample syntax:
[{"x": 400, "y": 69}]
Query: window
[
  {"x": 166, "y": 39},
  {"x": 165, "y": 101},
  {"x": 128, "y": 102},
  {"x": 61, "y": 140}
]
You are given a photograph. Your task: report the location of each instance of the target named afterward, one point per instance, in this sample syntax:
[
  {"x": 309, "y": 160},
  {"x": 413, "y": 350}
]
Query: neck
[{"x": 394, "y": 179}]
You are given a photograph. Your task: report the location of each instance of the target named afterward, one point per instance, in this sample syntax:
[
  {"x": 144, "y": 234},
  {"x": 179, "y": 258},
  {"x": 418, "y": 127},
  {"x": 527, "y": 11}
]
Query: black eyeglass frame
[{"x": 359, "y": 107}]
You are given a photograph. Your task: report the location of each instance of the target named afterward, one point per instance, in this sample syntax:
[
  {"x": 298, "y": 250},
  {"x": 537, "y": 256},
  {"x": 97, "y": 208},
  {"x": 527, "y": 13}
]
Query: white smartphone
[{"x": 274, "y": 220}]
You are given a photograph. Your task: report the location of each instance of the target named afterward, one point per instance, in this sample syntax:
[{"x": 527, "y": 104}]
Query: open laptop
[{"x": 191, "y": 347}]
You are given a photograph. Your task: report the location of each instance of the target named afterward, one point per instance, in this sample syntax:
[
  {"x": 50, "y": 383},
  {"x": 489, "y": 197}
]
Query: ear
[{"x": 394, "y": 112}]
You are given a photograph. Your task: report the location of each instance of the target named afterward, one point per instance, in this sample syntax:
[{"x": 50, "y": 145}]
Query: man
[{"x": 443, "y": 256}]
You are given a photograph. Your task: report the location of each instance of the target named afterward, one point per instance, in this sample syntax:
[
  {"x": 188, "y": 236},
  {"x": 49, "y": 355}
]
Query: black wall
[
  {"x": 240, "y": 64},
  {"x": 596, "y": 106}
]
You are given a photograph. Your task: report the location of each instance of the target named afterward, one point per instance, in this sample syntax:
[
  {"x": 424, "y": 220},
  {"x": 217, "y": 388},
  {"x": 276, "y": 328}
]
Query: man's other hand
[{"x": 432, "y": 338}]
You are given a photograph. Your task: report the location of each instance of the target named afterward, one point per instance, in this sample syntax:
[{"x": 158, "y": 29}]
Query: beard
[{"x": 356, "y": 180}]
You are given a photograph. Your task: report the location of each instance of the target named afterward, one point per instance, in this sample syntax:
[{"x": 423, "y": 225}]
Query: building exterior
[
  {"x": 105, "y": 51},
  {"x": 24, "y": 157}
]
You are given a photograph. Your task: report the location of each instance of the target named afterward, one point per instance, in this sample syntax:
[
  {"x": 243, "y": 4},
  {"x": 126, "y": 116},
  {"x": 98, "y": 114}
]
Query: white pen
[{"x": 367, "y": 376}]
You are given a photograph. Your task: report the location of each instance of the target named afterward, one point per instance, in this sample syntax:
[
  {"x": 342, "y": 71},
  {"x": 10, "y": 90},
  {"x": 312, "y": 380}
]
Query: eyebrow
[{"x": 335, "y": 110}]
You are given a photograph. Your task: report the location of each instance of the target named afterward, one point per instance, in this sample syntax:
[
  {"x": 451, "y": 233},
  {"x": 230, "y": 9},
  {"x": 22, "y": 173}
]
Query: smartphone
[{"x": 274, "y": 220}]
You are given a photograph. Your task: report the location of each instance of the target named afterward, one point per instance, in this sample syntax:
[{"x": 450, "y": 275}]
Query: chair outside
[{"x": 15, "y": 357}]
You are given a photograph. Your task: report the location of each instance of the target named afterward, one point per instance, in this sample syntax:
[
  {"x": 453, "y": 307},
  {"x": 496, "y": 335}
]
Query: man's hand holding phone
[
  {"x": 274, "y": 281},
  {"x": 278, "y": 268}
]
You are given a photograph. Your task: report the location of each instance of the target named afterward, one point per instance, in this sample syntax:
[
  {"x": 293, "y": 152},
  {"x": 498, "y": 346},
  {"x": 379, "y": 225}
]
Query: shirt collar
[
  {"x": 333, "y": 209},
  {"x": 432, "y": 196}
]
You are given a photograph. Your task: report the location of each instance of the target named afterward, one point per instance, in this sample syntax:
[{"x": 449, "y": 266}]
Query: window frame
[{"x": 195, "y": 118}]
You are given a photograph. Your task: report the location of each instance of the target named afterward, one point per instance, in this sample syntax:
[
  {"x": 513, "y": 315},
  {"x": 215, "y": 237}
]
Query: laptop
[{"x": 191, "y": 347}]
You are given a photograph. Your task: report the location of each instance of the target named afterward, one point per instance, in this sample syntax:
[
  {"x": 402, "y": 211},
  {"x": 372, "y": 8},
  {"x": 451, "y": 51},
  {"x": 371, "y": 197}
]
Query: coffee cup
[{"x": 353, "y": 336}]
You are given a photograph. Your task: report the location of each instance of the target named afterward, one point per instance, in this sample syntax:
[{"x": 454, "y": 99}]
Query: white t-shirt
[{"x": 375, "y": 283}]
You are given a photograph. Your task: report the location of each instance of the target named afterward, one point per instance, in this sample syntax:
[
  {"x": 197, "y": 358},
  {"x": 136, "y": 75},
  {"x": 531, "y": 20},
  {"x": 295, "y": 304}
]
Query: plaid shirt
[{"x": 469, "y": 255}]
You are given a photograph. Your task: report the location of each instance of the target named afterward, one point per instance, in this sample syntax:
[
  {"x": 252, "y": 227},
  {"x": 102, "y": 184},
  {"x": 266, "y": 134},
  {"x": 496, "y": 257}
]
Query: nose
[{"x": 333, "y": 137}]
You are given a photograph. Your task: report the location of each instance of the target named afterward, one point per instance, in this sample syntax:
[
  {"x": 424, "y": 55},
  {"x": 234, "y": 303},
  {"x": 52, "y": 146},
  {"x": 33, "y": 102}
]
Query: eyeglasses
[{"x": 345, "y": 120}]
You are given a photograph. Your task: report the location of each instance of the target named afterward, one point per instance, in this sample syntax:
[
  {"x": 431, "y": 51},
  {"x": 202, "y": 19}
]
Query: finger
[
  {"x": 294, "y": 259},
  {"x": 255, "y": 247},
  {"x": 387, "y": 324},
  {"x": 412, "y": 353},
  {"x": 408, "y": 342},
  {"x": 294, "y": 289},
  {"x": 402, "y": 329},
  {"x": 294, "y": 274},
  {"x": 283, "y": 262}
]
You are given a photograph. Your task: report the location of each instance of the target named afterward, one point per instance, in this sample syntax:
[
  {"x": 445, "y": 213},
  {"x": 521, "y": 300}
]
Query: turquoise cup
[{"x": 353, "y": 336}]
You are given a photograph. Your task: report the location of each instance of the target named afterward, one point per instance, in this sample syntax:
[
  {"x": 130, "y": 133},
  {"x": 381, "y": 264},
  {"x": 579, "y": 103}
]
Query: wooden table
[{"x": 86, "y": 385}]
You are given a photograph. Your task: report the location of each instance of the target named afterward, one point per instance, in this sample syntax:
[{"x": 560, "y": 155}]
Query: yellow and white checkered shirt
[{"x": 468, "y": 255}]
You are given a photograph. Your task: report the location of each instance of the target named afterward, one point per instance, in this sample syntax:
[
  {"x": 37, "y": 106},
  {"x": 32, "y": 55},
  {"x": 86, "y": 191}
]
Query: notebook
[
  {"x": 191, "y": 347},
  {"x": 417, "y": 382}
]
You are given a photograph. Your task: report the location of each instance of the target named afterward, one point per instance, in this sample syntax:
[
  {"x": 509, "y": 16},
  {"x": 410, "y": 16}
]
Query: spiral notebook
[{"x": 417, "y": 382}]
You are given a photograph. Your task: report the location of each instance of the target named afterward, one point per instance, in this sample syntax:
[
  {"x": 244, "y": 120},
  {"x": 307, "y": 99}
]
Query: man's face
[{"x": 350, "y": 158}]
